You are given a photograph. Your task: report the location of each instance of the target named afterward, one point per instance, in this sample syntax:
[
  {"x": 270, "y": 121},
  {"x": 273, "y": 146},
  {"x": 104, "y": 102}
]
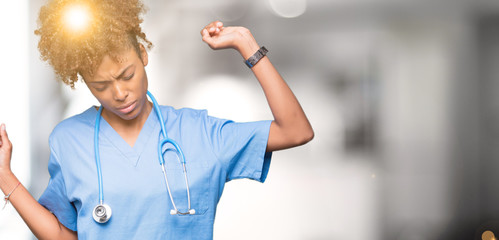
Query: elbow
[
  {"x": 290, "y": 137},
  {"x": 309, "y": 135},
  {"x": 305, "y": 137}
]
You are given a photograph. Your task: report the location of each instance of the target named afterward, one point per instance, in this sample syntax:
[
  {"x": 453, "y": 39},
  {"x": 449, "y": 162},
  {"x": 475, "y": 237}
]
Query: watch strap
[{"x": 253, "y": 60}]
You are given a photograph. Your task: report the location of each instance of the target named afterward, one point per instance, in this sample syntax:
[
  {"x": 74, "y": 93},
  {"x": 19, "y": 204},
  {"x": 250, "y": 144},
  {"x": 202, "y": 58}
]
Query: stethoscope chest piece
[{"x": 102, "y": 213}]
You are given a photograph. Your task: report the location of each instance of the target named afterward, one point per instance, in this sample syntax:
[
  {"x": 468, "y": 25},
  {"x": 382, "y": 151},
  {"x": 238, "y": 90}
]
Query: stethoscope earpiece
[{"x": 102, "y": 213}]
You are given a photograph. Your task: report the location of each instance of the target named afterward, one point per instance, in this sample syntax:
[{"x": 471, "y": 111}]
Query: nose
[{"x": 120, "y": 93}]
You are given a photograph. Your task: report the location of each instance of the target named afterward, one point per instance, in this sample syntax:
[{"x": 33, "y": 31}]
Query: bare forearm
[
  {"x": 290, "y": 126},
  {"x": 41, "y": 222}
]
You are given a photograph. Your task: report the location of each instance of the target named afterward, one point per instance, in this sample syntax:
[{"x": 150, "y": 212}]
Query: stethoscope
[{"x": 102, "y": 212}]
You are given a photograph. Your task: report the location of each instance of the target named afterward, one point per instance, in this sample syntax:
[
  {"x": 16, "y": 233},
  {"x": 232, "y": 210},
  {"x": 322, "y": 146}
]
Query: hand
[
  {"x": 219, "y": 37},
  {"x": 5, "y": 150}
]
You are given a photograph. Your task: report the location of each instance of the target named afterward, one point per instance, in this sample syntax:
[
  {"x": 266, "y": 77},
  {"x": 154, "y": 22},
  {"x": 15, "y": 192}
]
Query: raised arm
[
  {"x": 42, "y": 222},
  {"x": 290, "y": 127}
]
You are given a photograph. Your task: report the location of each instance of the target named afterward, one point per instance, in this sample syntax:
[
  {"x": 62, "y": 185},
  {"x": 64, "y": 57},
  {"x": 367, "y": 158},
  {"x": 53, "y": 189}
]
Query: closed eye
[
  {"x": 129, "y": 76},
  {"x": 100, "y": 89},
  {"x": 99, "y": 86}
]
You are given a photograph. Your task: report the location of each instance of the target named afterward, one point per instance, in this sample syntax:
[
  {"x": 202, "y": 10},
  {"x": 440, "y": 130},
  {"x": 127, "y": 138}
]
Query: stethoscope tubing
[
  {"x": 97, "y": 155},
  {"x": 161, "y": 159}
]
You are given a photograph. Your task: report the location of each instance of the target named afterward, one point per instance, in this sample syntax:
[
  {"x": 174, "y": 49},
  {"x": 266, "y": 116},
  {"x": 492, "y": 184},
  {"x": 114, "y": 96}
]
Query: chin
[
  {"x": 133, "y": 114},
  {"x": 129, "y": 116}
]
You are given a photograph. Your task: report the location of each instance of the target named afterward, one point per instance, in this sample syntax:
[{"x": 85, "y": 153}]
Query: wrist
[
  {"x": 7, "y": 180},
  {"x": 5, "y": 172},
  {"x": 246, "y": 44},
  {"x": 255, "y": 58}
]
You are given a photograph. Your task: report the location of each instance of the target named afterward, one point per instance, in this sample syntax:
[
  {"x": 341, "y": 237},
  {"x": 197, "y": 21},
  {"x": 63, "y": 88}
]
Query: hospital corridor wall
[{"x": 401, "y": 95}]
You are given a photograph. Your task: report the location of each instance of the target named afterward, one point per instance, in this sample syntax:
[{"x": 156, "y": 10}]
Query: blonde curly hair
[{"x": 114, "y": 26}]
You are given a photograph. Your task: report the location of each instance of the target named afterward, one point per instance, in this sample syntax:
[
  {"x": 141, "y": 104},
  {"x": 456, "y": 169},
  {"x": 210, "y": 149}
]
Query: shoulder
[
  {"x": 74, "y": 126},
  {"x": 191, "y": 120},
  {"x": 183, "y": 114}
]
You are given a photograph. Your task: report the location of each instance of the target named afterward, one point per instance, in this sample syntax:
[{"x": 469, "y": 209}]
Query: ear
[{"x": 143, "y": 55}]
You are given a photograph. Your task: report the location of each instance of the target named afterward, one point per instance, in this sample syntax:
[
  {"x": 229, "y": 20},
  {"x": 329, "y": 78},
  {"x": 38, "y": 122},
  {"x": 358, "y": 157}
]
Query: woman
[{"x": 147, "y": 203}]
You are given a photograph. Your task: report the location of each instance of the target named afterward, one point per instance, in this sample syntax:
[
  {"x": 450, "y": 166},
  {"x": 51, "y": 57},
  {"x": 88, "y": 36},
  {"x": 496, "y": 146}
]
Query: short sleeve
[
  {"x": 241, "y": 147},
  {"x": 54, "y": 198}
]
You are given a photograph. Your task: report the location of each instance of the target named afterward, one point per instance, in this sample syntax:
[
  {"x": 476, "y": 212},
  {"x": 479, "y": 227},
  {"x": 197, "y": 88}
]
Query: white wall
[{"x": 14, "y": 106}]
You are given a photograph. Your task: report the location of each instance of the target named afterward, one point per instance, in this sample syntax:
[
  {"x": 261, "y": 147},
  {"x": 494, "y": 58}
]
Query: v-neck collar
[{"x": 132, "y": 154}]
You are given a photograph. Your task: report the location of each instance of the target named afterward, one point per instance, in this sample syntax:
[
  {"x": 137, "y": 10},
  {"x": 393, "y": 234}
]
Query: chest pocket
[{"x": 198, "y": 180}]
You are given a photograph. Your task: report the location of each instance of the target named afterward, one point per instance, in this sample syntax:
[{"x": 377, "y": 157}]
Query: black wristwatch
[{"x": 256, "y": 57}]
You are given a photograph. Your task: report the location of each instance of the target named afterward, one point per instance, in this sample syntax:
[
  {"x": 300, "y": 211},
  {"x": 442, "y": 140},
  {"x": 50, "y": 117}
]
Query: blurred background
[{"x": 401, "y": 94}]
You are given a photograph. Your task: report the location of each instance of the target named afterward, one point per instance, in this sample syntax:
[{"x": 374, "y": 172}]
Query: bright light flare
[
  {"x": 77, "y": 18},
  {"x": 488, "y": 235},
  {"x": 288, "y": 8}
]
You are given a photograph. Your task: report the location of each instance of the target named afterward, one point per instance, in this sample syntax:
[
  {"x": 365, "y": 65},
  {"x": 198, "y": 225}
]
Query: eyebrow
[
  {"x": 119, "y": 76},
  {"x": 123, "y": 71}
]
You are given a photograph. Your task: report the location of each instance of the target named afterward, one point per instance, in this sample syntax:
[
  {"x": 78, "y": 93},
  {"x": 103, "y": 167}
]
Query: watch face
[{"x": 256, "y": 57}]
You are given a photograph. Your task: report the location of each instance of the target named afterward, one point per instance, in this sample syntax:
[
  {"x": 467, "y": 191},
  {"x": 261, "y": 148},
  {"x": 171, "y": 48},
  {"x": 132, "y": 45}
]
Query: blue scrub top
[{"x": 216, "y": 152}]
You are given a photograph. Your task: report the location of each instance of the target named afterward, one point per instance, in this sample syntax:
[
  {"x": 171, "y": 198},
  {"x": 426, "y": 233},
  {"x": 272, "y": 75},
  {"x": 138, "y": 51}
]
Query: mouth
[{"x": 127, "y": 108}]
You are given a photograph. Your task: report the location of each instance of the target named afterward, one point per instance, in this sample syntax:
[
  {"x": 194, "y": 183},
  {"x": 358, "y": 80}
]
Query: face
[{"x": 121, "y": 87}]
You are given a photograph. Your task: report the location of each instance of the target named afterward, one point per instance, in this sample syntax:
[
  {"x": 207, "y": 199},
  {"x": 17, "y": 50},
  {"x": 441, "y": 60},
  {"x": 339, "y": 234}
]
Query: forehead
[{"x": 110, "y": 64}]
